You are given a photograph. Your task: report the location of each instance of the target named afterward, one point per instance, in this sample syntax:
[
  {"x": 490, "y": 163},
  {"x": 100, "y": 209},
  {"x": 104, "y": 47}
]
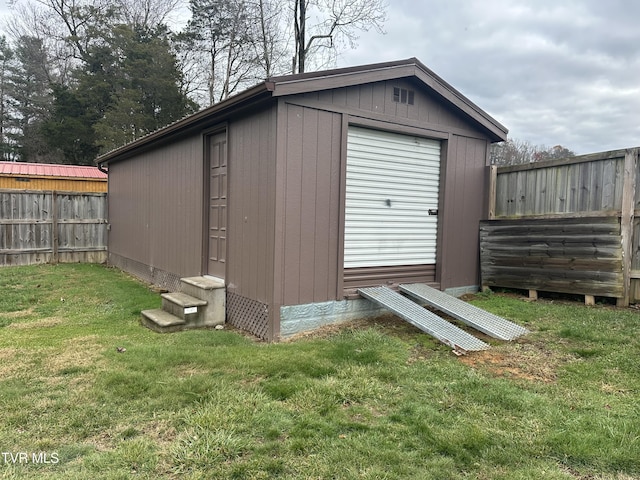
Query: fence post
[
  {"x": 626, "y": 221},
  {"x": 493, "y": 187},
  {"x": 54, "y": 227}
]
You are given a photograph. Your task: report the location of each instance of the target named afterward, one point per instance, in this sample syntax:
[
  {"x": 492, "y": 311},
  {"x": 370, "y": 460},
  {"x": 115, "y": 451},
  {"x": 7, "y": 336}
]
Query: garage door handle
[{"x": 433, "y": 211}]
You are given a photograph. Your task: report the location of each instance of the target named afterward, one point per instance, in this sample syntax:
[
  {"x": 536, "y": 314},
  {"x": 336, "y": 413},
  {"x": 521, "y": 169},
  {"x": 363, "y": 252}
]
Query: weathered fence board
[
  {"x": 575, "y": 190},
  {"x": 567, "y": 258},
  {"x": 50, "y": 227},
  {"x": 551, "y": 188}
]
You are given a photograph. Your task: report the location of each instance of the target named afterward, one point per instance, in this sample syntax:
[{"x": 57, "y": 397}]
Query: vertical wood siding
[
  {"x": 251, "y": 200},
  {"x": 311, "y": 190},
  {"x": 378, "y": 98},
  {"x": 634, "y": 288},
  {"x": 463, "y": 176},
  {"x": 285, "y": 170},
  {"x": 155, "y": 207},
  {"x": 311, "y": 208},
  {"x": 463, "y": 206}
]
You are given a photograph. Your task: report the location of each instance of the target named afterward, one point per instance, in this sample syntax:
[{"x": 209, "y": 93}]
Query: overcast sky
[{"x": 554, "y": 72}]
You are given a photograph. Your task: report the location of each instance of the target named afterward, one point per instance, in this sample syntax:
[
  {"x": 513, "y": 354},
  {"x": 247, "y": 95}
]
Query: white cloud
[{"x": 553, "y": 73}]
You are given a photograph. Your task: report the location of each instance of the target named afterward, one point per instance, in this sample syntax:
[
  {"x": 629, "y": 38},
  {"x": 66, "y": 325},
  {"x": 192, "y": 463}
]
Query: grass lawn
[{"x": 92, "y": 394}]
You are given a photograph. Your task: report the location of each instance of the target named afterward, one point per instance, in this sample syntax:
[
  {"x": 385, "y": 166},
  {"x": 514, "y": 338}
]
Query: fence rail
[
  {"x": 569, "y": 255},
  {"x": 571, "y": 192},
  {"x": 52, "y": 227}
]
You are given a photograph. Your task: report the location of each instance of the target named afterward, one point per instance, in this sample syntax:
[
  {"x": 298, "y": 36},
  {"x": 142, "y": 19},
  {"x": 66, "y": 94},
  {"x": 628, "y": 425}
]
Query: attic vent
[{"x": 402, "y": 95}]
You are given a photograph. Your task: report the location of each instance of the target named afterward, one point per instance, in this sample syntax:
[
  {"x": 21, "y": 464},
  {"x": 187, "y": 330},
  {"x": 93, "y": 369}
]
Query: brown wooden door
[{"x": 217, "y": 231}]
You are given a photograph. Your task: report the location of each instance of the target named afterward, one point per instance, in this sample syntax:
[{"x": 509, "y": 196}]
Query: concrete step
[
  {"x": 162, "y": 322},
  {"x": 213, "y": 292},
  {"x": 184, "y": 306},
  {"x": 203, "y": 283}
]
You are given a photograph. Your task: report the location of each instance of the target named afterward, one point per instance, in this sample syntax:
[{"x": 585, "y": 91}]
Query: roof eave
[
  {"x": 316, "y": 81},
  {"x": 412, "y": 67},
  {"x": 185, "y": 123}
]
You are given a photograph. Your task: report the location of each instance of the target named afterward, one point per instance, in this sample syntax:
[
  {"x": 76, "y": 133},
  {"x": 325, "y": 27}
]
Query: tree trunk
[{"x": 301, "y": 34}]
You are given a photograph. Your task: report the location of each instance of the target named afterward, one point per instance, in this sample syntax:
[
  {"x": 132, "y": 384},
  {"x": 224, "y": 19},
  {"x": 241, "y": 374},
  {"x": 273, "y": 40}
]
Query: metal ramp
[
  {"x": 475, "y": 317},
  {"x": 423, "y": 319}
]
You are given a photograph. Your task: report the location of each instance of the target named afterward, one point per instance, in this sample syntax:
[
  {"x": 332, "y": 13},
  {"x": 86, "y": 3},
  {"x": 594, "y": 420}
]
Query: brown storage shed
[{"x": 305, "y": 187}]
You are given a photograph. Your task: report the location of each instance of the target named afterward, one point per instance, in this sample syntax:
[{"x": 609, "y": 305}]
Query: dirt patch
[
  {"x": 614, "y": 389},
  {"x": 160, "y": 432},
  {"x": 527, "y": 361},
  {"x": 11, "y": 362},
  {"x": 44, "y": 323},
  {"x": 419, "y": 353},
  {"x": 78, "y": 352},
  {"x": 7, "y": 354},
  {"x": 388, "y": 323},
  {"x": 188, "y": 371},
  {"x": 325, "y": 331},
  {"x": 17, "y": 314},
  {"x": 576, "y": 474}
]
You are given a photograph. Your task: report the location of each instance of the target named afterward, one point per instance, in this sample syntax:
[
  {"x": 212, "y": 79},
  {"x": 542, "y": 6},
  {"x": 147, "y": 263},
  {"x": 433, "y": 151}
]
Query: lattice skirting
[
  {"x": 248, "y": 314},
  {"x": 146, "y": 273}
]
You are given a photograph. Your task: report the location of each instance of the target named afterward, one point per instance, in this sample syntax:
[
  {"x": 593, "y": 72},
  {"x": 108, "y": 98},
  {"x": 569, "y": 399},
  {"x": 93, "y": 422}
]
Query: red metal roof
[{"x": 50, "y": 170}]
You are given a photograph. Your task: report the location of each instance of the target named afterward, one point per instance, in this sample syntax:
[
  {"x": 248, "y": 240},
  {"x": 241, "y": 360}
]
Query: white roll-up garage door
[{"x": 392, "y": 187}]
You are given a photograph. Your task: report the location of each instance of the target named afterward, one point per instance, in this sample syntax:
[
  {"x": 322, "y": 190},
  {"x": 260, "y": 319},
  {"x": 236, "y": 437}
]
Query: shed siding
[
  {"x": 463, "y": 206},
  {"x": 155, "y": 208},
  {"x": 251, "y": 207},
  {"x": 286, "y": 190},
  {"x": 311, "y": 190},
  {"x": 311, "y": 206},
  {"x": 378, "y": 98}
]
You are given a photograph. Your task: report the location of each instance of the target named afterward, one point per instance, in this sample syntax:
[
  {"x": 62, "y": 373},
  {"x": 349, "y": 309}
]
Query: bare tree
[
  {"x": 70, "y": 27},
  {"x": 221, "y": 35},
  {"x": 146, "y": 13},
  {"x": 271, "y": 39},
  {"x": 326, "y": 25},
  {"x": 517, "y": 152},
  {"x": 81, "y": 19},
  {"x": 31, "y": 20}
]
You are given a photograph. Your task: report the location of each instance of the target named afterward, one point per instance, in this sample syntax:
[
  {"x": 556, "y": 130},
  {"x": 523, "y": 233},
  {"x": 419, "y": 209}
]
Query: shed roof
[
  {"x": 317, "y": 81},
  {"x": 50, "y": 170}
]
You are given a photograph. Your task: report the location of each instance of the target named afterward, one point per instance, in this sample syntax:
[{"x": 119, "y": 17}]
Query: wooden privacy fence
[
  {"x": 52, "y": 227},
  {"x": 570, "y": 226}
]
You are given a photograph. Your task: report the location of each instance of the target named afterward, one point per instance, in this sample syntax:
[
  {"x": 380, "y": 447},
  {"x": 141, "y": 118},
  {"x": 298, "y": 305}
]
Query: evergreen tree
[
  {"x": 32, "y": 96},
  {"x": 7, "y": 149},
  {"x": 69, "y": 130},
  {"x": 127, "y": 87},
  {"x": 145, "y": 91}
]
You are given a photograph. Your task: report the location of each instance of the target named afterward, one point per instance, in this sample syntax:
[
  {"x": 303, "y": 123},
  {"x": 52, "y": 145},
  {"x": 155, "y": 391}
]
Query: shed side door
[
  {"x": 391, "y": 203},
  {"x": 216, "y": 150}
]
